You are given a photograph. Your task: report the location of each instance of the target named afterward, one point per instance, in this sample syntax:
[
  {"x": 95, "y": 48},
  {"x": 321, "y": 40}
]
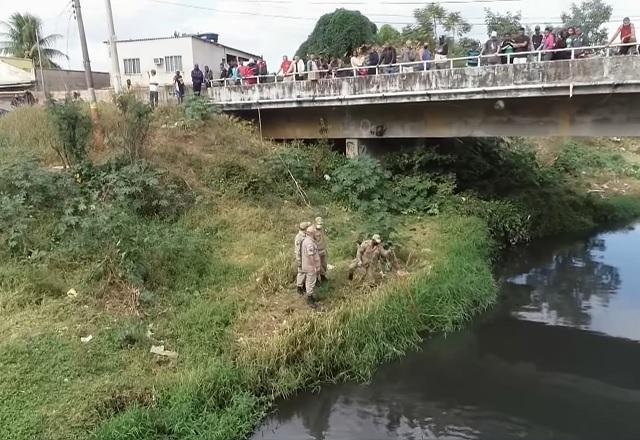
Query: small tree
[
  {"x": 434, "y": 20},
  {"x": 132, "y": 129},
  {"x": 502, "y": 23},
  {"x": 590, "y": 15},
  {"x": 73, "y": 127}
]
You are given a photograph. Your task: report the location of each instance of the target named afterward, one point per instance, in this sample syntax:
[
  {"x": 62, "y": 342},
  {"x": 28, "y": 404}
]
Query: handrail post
[
  {"x": 539, "y": 56},
  {"x": 451, "y": 64},
  {"x": 573, "y": 53}
]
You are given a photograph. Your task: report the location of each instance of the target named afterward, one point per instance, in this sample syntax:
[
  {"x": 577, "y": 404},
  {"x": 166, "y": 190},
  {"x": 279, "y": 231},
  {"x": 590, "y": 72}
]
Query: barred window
[
  {"x": 173, "y": 63},
  {"x": 131, "y": 66}
]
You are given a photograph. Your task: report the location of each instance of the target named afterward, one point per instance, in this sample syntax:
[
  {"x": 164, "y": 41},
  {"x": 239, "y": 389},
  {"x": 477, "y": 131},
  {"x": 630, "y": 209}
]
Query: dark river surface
[{"x": 557, "y": 358}]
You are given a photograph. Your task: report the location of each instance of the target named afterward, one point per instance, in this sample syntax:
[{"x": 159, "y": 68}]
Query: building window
[
  {"x": 173, "y": 63},
  {"x": 131, "y": 66}
]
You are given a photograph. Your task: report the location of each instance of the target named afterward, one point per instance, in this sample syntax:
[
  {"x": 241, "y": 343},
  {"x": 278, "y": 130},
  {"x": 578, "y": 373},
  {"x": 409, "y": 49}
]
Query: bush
[
  {"x": 575, "y": 160},
  {"x": 197, "y": 108},
  {"x": 362, "y": 183},
  {"x": 73, "y": 126},
  {"x": 141, "y": 188},
  {"x": 508, "y": 223},
  {"x": 132, "y": 129}
]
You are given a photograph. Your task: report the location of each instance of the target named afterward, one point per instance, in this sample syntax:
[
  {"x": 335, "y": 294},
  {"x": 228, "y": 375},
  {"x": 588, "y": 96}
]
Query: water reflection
[{"x": 544, "y": 365}]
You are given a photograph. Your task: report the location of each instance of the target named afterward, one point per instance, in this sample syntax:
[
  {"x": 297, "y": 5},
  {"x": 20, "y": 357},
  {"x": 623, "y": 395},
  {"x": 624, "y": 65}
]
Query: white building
[{"x": 166, "y": 55}]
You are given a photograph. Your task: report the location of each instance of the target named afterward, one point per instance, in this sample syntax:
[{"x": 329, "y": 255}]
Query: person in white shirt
[{"x": 153, "y": 89}]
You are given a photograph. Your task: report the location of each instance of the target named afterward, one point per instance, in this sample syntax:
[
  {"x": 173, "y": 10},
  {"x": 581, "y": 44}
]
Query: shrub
[
  {"x": 508, "y": 223},
  {"x": 141, "y": 188},
  {"x": 420, "y": 194},
  {"x": 132, "y": 129},
  {"x": 197, "y": 108},
  {"x": 73, "y": 126},
  {"x": 361, "y": 183}
]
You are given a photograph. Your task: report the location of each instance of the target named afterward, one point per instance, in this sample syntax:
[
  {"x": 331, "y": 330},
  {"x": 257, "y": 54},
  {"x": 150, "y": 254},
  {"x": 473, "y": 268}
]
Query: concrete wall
[
  {"x": 62, "y": 80},
  {"x": 557, "y": 78}
]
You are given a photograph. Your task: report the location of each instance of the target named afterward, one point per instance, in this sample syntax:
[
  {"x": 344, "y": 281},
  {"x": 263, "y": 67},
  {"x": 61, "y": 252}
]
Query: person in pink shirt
[{"x": 549, "y": 43}]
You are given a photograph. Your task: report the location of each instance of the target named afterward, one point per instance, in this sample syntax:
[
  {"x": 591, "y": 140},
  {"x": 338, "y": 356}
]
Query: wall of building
[
  {"x": 147, "y": 50},
  {"x": 61, "y": 80},
  {"x": 192, "y": 50}
]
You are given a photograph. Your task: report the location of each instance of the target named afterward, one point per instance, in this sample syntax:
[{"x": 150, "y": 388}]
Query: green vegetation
[
  {"x": 338, "y": 34},
  {"x": 179, "y": 234}
]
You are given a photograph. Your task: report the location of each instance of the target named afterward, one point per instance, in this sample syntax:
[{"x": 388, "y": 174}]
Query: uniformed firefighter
[
  {"x": 321, "y": 242},
  {"x": 368, "y": 257},
  {"x": 310, "y": 264},
  {"x": 297, "y": 243}
]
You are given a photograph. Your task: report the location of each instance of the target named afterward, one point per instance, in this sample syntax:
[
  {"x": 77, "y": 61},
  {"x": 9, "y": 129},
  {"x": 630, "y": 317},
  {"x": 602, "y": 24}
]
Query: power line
[{"x": 410, "y": 19}]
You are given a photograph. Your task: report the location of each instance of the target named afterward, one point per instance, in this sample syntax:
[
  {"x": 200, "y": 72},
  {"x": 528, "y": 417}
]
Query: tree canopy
[
  {"x": 387, "y": 34},
  {"x": 590, "y": 15},
  {"x": 502, "y": 23},
  {"x": 432, "y": 20},
  {"x": 20, "y": 39},
  {"x": 338, "y": 34}
]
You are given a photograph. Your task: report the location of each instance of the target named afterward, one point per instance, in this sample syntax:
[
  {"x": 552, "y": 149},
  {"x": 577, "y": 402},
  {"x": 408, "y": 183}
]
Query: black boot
[
  {"x": 301, "y": 290},
  {"x": 311, "y": 301}
]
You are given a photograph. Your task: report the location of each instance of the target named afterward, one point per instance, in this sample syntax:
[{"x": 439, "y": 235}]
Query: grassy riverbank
[{"x": 190, "y": 249}]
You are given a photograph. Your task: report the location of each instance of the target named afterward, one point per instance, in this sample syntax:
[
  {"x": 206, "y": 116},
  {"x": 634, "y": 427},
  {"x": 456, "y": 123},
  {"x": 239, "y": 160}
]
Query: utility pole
[
  {"x": 93, "y": 105},
  {"x": 113, "y": 49}
]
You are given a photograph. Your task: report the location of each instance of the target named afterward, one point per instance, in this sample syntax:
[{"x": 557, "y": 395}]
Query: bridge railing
[{"x": 417, "y": 66}]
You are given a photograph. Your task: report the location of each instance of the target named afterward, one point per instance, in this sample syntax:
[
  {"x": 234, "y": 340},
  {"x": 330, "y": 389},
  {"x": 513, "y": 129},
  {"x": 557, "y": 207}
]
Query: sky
[{"x": 269, "y": 27}]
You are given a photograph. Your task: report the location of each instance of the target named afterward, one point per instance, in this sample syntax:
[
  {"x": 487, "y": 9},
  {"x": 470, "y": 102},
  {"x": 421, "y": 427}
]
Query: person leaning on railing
[{"x": 627, "y": 33}]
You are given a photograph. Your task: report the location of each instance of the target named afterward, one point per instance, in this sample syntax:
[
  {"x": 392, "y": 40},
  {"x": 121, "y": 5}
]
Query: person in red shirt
[
  {"x": 284, "y": 66},
  {"x": 627, "y": 33}
]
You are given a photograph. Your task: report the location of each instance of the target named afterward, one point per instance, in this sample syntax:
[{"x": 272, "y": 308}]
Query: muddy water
[{"x": 558, "y": 358}]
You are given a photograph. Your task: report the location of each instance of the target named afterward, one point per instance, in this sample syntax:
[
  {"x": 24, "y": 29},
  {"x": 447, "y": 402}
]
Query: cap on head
[
  {"x": 537, "y": 28},
  {"x": 377, "y": 238},
  {"x": 304, "y": 225},
  {"x": 319, "y": 222},
  {"x": 494, "y": 33}
]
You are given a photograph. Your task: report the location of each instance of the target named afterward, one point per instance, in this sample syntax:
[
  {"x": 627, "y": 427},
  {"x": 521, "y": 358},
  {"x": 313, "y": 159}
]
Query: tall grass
[{"x": 29, "y": 131}]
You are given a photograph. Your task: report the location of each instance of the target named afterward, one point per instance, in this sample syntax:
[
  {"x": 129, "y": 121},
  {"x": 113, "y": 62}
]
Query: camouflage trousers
[{"x": 308, "y": 280}]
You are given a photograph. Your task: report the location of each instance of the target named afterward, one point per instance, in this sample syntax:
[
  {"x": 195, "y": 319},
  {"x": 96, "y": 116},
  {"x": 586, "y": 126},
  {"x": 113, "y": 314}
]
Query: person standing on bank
[
  {"x": 197, "y": 78},
  {"x": 321, "y": 242},
  {"x": 178, "y": 84},
  {"x": 311, "y": 265},
  {"x": 153, "y": 88},
  {"x": 297, "y": 252}
]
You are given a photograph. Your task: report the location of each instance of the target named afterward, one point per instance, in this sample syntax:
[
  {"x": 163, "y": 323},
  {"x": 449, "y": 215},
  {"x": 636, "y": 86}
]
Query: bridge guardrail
[{"x": 399, "y": 68}]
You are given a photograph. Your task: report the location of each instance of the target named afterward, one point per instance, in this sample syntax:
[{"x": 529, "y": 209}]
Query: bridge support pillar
[{"x": 355, "y": 148}]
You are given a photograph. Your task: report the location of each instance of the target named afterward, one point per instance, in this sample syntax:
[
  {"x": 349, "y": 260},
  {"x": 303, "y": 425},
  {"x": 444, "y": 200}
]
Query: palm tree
[{"x": 20, "y": 40}]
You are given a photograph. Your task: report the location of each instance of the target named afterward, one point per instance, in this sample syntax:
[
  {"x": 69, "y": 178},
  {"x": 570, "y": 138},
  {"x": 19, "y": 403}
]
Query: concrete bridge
[{"x": 579, "y": 97}]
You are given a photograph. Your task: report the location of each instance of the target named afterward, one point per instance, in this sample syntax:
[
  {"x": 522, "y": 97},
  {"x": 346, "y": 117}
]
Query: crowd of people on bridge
[
  {"x": 511, "y": 48},
  {"x": 551, "y": 44}
]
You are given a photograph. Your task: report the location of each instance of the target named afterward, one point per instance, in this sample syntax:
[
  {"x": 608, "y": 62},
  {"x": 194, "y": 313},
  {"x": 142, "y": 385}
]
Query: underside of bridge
[{"x": 580, "y": 115}]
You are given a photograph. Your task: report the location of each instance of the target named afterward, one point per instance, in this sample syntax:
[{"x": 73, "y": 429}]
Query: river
[{"x": 557, "y": 358}]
